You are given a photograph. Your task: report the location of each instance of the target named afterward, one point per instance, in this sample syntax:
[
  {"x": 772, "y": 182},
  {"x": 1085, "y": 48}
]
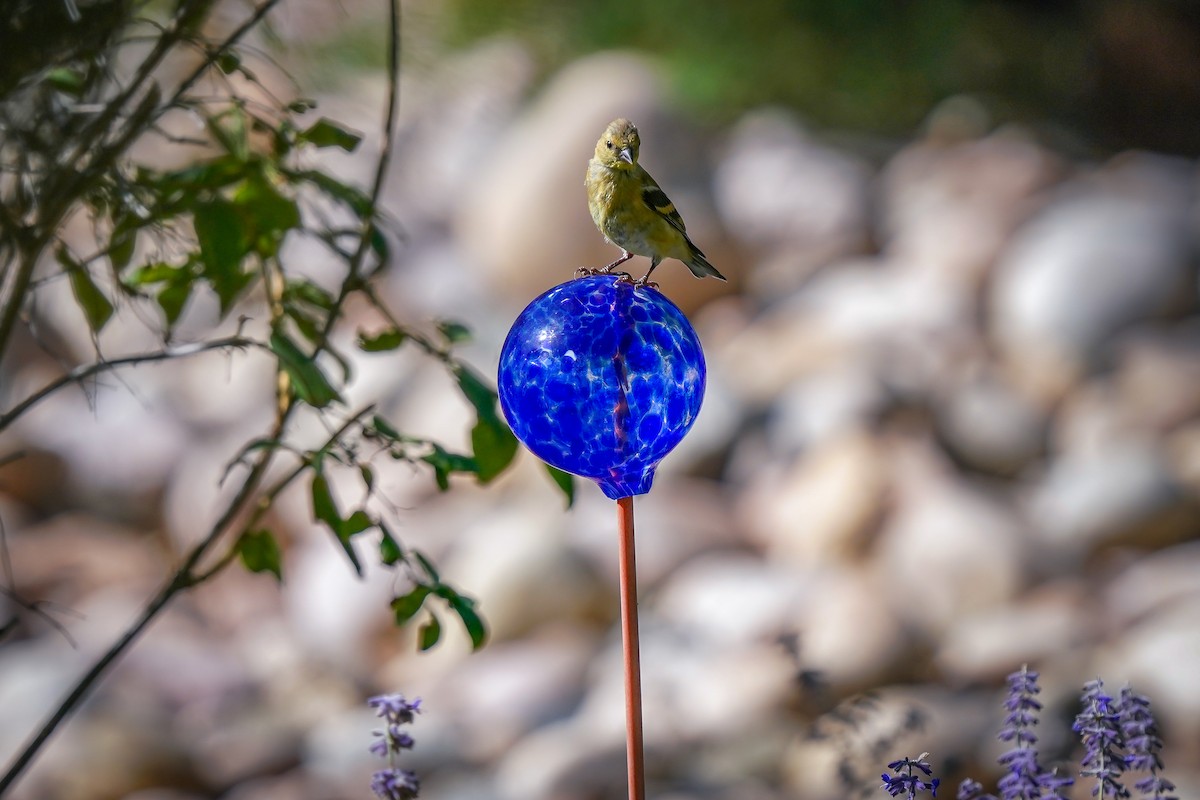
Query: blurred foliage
[
  {"x": 86, "y": 95},
  {"x": 216, "y": 225},
  {"x": 1098, "y": 73}
]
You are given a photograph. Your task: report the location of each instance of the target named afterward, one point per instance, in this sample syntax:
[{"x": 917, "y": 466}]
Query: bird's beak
[{"x": 625, "y": 155}]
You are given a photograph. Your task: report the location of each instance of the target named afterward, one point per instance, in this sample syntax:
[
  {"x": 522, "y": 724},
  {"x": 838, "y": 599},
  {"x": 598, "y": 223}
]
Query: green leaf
[
  {"x": 368, "y": 476},
  {"x": 150, "y": 273},
  {"x": 354, "y": 524},
  {"x": 323, "y": 505},
  {"x": 172, "y": 299},
  {"x": 494, "y": 446},
  {"x": 97, "y": 308},
  {"x": 455, "y": 332},
  {"x": 309, "y": 326},
  {"x": 214, "y": 174},
  {"x": 429, "y": 633},
  {"x": 327, "y": 133},
  {"x": 478, "y": 393},
  {"x": 390, "y": 551},
  {"x": 358, "y": 201},
  {"x": 379, "y": 245},
  {"x": 406, "y": 606},
  {"x": 427, "y": 565},
  {"x": 476, "y": 629},
  {"x": 565, "y": 481},
  {"x": 267, "y": 214},
  {"x": 229, "y": 129},
  {"x": 445, "y": 464},
  {"x": 228, "y": 62},
  {"x": 384, "y": 428},
  {"x": 305, "y": 291},
  {"x": 67, "y": 80},
  {"x": 325, "y": 509},
  {"x": 259, "y": 551},
  {"x": 120, "y": 247},
  {"x": 380, "y": 342},
  {"x": 308, "y": 380},
  {"x": 223, "y": 245}
]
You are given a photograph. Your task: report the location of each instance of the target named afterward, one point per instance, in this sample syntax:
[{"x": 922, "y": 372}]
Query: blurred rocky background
[{"x": 952, "y": 423}]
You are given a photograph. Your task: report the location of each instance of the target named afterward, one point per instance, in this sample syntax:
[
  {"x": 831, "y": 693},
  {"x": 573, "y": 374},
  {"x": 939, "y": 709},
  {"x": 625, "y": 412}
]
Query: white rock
[
  {"x": 989, "y": 644},
  {"x": 775, "y": 183},
  {"x": 947, "y": 550},
  {"x": 949, "y": 209},
  {"x": 990, "y": 425},
  {"x": 1097, "y": 259},
  {"x": 1118, "y": 493},
  {"x": 823, "y": 507}
]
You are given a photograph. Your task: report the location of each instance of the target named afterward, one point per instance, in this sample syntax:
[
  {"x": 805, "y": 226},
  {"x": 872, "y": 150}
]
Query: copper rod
[{"x": 635, "y": 758}]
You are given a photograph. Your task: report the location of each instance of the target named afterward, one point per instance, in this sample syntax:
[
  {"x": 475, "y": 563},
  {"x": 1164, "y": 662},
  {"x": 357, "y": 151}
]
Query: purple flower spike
[
  {"x": 395, "y": 784},
  {"x": 907, "y": 782},
  {"x": 1098, "y": 727},
  {"x": 1142, "y": 745},
  {"x": 1054, "y": 785},
  {"x": 394, "y": 708},
  {"x": 1024, "y": 777},
  {"x": 971, "y": 789}
]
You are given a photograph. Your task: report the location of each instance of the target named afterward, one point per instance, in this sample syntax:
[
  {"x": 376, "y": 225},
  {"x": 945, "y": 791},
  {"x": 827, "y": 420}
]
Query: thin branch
[
  {"x": 186, "y": 576},
  {"x": 268, "y": 497},
  {"x": 369, "y": 227},
  {"x": 85, "y": 371},
  {"x": 33, "y": 240},
  {"x": 37, "y": 608},
  {"x": 215, "y": 53},
  {"x": 182, "y": 579},
  {"x": 27, "y": 256}
]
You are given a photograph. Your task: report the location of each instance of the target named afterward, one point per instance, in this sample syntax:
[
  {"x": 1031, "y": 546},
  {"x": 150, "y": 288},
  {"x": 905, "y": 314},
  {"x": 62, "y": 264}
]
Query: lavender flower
[
  {"x": 1142, "y": 744},
  {"x": 907, "y": 782},
  {"x": 971, "y": 789},
  {"x": 1024, "y": 779},
  {"x": 1053, "y": 785},
  {"x": 395, "y": 708},
  {"x": 393, "y": 783},
  {"x": 1098, "y": 727}
]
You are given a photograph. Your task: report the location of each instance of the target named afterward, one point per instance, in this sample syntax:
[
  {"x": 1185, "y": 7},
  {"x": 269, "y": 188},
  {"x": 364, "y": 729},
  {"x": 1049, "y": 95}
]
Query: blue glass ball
[{"x": 602, "y": 379}]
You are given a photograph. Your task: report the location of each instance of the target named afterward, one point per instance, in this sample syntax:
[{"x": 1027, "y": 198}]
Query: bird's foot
[
  {"x": 645, "y": 281},
  {"x": 586, "y": 272}
]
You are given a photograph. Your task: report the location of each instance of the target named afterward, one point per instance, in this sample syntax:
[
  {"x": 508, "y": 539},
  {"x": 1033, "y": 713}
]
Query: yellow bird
[{"x": 632, "y": 211}]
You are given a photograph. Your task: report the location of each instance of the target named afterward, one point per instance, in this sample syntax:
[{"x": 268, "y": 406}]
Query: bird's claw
[
  {"x": 625, "y": 277},
  {"x": 585, "y": 272}
]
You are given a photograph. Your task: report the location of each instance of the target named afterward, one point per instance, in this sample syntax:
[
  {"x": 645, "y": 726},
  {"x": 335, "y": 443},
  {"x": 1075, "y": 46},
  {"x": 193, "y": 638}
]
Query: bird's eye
[{"x": 608, "y": 145}]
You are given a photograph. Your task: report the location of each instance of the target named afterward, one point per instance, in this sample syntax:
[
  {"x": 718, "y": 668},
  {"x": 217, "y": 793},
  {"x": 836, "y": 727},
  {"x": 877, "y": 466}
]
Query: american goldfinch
[{"x": 631, "y": 211}]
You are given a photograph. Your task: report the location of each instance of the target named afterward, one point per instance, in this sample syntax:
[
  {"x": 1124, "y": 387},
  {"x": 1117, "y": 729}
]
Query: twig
[
  {"x": 181, "y": 580},
  {"x": 353, "y": 281},
  {"x": 267, "y": 498},
  {"x": 85, "y": 371},
  {"x": 185, "y": 577}
]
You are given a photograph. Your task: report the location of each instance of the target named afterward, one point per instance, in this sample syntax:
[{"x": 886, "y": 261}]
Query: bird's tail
[{"x": 700, "y": 267}]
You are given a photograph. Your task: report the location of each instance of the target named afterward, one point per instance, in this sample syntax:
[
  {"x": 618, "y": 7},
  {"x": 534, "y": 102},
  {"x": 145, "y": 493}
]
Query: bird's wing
[{"x": 657, "y": 200}]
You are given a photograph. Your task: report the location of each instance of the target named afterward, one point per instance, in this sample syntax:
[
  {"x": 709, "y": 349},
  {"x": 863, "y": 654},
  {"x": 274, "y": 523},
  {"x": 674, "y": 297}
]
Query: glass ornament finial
[{"x": 602, "y": 379}]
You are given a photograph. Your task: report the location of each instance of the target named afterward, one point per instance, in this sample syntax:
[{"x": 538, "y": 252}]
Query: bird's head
[{"x": 618, "y": 147}]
